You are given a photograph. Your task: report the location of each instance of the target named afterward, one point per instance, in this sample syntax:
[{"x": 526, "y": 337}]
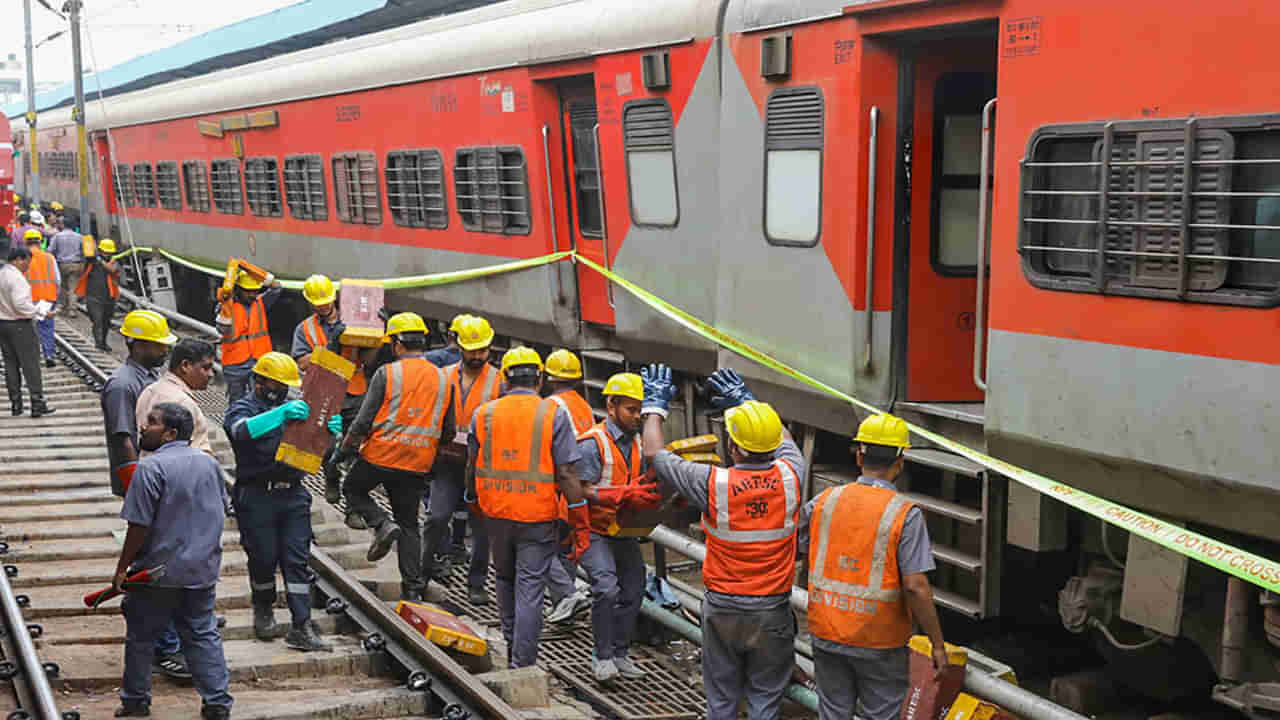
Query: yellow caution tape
[{"x": 1256, "y": 569}]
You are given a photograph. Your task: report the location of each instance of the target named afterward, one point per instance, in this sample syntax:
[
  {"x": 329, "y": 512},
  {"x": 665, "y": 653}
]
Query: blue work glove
[
  {"x": 335, "y": 338},
  {"x": 275, "y": 418},
  {"x": 335, "y": 425},
  {"x": 729, "y": 388},
  {"x": 659, "y": 388}
]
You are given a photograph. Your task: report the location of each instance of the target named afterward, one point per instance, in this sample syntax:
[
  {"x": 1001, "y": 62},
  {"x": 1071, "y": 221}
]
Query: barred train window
[
  {"x": 124, "y": 186},
  {"x": 793, "y": 167},
  {"x": 195, "y": 179},
  {"x": 167, "y": 186},
  {"x": 491, "y": 187},
  {"x": 415, "y": 189},
  {"x": 355, "y": 188},
  {"x": 228, "y": 197},
  {"x": 648, "y": 136},
  {"x": 262, "y": 186},
  {"x": 143, "y": 185},
  {"x": 586, "y": 176},
  {"x": 304, "y": 187},
  {"x": 1214, "y": 239}
]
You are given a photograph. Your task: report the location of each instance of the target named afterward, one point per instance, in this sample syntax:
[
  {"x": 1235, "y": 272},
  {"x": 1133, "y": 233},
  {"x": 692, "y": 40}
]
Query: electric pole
[
  {"x": 83, "y": 153},
  {"x": 33, "y": 149}
]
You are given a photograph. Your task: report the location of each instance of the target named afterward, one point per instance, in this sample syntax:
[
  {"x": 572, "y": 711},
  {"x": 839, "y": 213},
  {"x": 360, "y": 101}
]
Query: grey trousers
[
  {"x": 560, "y": 580},
  {"x": 615, "y": 568},
  {"x": 70, "y": 273},
  {"x": 522, "y": 556},
  {"x": 747, "y": 653},
  {"x": 100, "y": 312},
  {"x": 237, "y": 377},
  {"x": 446, "y": 498},
  {"x": 873, "y": 680},
  {"x": 21, "y": 350}
]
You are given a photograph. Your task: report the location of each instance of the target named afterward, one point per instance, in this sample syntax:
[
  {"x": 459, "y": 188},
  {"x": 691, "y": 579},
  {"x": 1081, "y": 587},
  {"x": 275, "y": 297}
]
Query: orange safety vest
[
  {"x": 42, "y": 277},
  {"x": 316, "y": 337},
  {"x": 614, "y": 472},
  {"x": 464, "y": 409},
  {"x": 855, "y": 589},
  {"x": 515, "y": 475},
  {"x": 579, "y": 411},
  {"x": 406, "y": 430},
  {"x": 82, "y": 287},
  {"x": 249, "y": 338},
  {"x": 750, "y": 525}
]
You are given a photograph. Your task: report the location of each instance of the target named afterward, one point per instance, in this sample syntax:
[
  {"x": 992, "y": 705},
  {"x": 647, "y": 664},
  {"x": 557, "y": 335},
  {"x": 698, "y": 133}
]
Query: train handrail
[
  {"x": 871, "y": 229},
  {"x": 604, "y": 221},
  {"x": 551, "y": 207},
  {"x": 43, "y": 705},
  {"x": 984, "y": 188}
]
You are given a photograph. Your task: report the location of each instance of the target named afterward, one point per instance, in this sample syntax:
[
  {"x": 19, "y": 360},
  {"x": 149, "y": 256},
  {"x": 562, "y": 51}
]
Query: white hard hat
[{"x": 36, "y": 217}]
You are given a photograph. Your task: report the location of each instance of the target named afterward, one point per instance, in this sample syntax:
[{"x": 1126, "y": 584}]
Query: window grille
[
  {"x": 144, "y": 185},
  {"x": 228, "y": 197},
  {"x": 355, "y": 188},
  {"x": 195, "y": 179},
  {"x": 415, "y": 189},
  {"x": 1185, "y": 209},
  {"x": 124, "y": 186},
  {"x": 586, "y": 176},
  {"x": 167, "y": 186},
  {"x": 304, "y": 187},
  {"x": 648, "y": 137},
  {"x": 793, "y": 166},
  {"x": 491, "y": 188},
  {"x": 262, "y": 186}
]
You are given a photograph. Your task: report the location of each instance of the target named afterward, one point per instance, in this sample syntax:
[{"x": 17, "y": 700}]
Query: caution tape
[{"x": 1248, "y": 566}]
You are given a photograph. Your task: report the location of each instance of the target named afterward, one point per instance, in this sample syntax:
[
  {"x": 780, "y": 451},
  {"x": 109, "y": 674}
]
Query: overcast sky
[{"x": 120, "y": 29}]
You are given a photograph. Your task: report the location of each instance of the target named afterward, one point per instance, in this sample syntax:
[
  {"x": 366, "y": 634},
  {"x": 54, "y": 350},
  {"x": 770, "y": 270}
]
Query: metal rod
[
  {"x": 551, "y": 210},
  {"x": 1147, "y": 253},
  {"x": 1104, "y": 202},
  {"x": 82, "y": 145},
  {"x": 980, "y": 311},
  {"x": 28, "y": 662},
  {"x": 33, "y": 147},
  {"x": 179, "y": 318},
  {"x": 604, "y": 221},
  {"x": 874, "y": 119},
  {"x": 1188, "y": 174}
]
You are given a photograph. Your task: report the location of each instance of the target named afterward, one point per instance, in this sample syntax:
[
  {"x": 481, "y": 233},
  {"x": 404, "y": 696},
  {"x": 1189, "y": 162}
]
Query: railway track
[{"x": 60, "y": 527}]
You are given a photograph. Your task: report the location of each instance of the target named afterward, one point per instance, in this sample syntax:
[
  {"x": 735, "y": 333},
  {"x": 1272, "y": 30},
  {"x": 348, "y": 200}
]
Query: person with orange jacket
[
  {"x": 868, "y": 554},
  {"x": 45, "y": 282},
  {"x": 560, "y": 382},
  {"x": 749, "y": 513},
  {"x": 406, "y": 412},
  {"x": 242, "y": 320},
  {"x": 521, "y": 456},
  {"x": 100, "y": 286}
]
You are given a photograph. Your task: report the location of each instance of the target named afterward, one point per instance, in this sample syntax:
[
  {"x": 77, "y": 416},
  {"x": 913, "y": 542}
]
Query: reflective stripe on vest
[
  {"x": 398, "y": 438},
  {"x": 517, "y": 480},
  {"x": 40, "y": 275},
  {"x": 578, "y": 410},
  {"x": 614, "y": 472},
  {"x": 464, "y": 409},
  {"x": 313, "y": 332},
  {"x": 874, "y": 589},
  {"x": 249, "y": 338},
  {"x": 723, "y": 529}
]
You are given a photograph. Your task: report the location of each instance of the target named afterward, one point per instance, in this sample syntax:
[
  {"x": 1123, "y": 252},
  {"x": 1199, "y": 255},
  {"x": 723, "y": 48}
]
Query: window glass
[
  {"x": 962, "y": 144},
  {"x": 124, "y": 186},
  {"x": 195, "y": 179},
  {"x": 958, "y": 227},
  {"x": 167, "y": 186},
  {"x": 793, "y": 188},
  {"x": 649, "y": 141},
  {"x": 355, "y": 186},
  {"x": 304, "y": 187},
  {"x": 415, "y": 189},
  {"x": 262, "y": 187},
  {"x": 491, "y": 187},
  {"x": 228, "y": 195}
]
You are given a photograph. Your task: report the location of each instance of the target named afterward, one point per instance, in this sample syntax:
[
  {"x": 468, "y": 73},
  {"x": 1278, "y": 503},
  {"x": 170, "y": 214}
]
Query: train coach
[{"x": 1051, "y": 229}]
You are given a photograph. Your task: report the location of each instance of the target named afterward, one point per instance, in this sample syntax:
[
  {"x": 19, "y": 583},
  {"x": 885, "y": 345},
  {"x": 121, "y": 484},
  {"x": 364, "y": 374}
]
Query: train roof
[{"x": 507, "y": 34}]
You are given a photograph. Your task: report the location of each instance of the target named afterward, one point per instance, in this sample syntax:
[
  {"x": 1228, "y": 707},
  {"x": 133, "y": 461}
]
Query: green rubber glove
[
  {"x": 275, "y": 418},
  {"x": 335, "y": 425}
]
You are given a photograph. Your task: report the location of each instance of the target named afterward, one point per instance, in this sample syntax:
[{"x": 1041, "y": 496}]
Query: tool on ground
[
  {"x": 138, "y": 579},
  {"x": 442, "y": 628}
]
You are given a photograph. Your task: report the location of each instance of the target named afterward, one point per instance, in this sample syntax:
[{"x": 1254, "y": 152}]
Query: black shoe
[
  {"x": 41, "y": 409},
  {"x": 355, "y": 521},
  {"x": 264, "y": 623},
  {"x": 307, "y": 639},
  {"x": 386, "y": 535},
  {"x": 134, "y": 709},
  {"x": 215, "y": 712},
  {"x": 221, "y": 621},
  {"x": 172, "y": 666},
  {"x": 50, "y": 363},
  {"x": 413, "y": 596},
  {"x": 332, "y": 492},
  {"x": 17, "y": 410},
  {"x": 478, "y": 596}
]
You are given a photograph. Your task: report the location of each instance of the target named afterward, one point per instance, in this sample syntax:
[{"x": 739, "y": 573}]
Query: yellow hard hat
[
  {"x": 318, "y": 290},
  {"x": 754, "y": 426},
  {"x": 884, "y": 429},
  {"x": 625, "y": 385},
  {"x": 147, "y": 325},
  {"x": 245, "y": 281},
  {"x": 517, "y": 356},
  {"x": 107, "y": 246},
  {"x": 458, "y": 320},
  {"x": 564, "y": 365},
  {"x": 32, "y": 235},
  {"x": 475, "y": 333},
  {"x": 55, "y": 205},
  {"x": 405, "y": 322},
  {"x": 278, "y": 367}
]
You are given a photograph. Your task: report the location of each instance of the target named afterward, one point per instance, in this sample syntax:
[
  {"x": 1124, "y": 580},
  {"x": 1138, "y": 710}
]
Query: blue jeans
[
  {"x": 45, "y": 329},
  {"x": 168, "y": 643},
  {"x": 237, "y": 377},
  {"x": 147, "y": 612},
  {"x": 275, "y": 531}
]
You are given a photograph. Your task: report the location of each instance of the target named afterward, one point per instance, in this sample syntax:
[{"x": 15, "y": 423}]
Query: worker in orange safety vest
[
  {"x": 242, "y": 321},
  {"x": 45, "y": 281}
]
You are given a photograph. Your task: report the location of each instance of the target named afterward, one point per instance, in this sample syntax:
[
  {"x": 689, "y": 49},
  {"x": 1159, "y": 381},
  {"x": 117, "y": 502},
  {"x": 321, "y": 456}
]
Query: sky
[{"x": 118, "y": 29}]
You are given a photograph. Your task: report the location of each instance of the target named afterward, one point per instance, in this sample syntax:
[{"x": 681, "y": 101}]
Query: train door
[
  {"x": 587, "y": 226},
  {"x": 951, "y": 80}
]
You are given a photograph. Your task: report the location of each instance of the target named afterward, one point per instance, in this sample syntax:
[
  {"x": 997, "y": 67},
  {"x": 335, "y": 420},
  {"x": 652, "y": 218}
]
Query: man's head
[
  {"x": 60, "y": 223},
  {"x": 624, "y": 395},
  {"x": 408, "y": 333},
  {"x": 192, "y": 361},
  {"x": 475, "y": 335},
  {"x": 880, "y": 446},
  {"x": 452, "y": 335},
  {"x": 755, "y": 431},
  {"x": 522, "y": 367},
  {"x": 20, "y": 257},
  {"x": 147, "y": 334},
  {"x": 166, "y": 423},
  {"x": 319, "y": 291},
  {"x": 273, "y": 375}
]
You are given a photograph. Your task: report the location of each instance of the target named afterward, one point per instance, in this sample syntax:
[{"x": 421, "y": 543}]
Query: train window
[
  {"x": 262, "y": 186},
  {"x": 304, "y": 187},
  {"x": 415, "y": 189},
  {"x": 648, "y": 137},
  {"x": 195, "y": 179},
  {"x": 583, "y": 118},
  {"x": 793, "y": 131},
  {"x": 1105, "y": 209},
  {"x": 228, "y": 196},
  {"x": 491, "y": 186},
  {"x": 144, "y": 185},
  {"x": 958, "y": 98},
  {"x": 355, "y": 188},
  {"x": 167, "y": 186},
  {"x": 124, "y": 186}
]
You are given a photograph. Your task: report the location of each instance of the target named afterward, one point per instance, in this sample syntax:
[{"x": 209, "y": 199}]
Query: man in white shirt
[
  {"x": 190, "y": 369},
  {"x": 18, "y": 339}
]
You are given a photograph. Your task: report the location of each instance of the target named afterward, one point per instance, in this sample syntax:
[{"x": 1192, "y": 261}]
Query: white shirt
[
  {"x": 15, "y": 295},
  {"x": 171, "y": 388}
]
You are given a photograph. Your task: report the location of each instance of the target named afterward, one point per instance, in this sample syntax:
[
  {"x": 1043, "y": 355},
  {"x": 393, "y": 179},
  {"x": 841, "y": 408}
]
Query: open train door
[{"x": 588, "y": 222}]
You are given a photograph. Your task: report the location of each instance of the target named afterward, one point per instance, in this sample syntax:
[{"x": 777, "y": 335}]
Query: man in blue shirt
[
  {"x": 175, "y": 512},
  {"x": 450, "y": 354}
]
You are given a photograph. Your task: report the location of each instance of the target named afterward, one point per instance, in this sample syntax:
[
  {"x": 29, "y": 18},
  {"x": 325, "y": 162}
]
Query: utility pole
[
  {"x": 33, "y": 148},
  {"x": 83, "y": 153}
]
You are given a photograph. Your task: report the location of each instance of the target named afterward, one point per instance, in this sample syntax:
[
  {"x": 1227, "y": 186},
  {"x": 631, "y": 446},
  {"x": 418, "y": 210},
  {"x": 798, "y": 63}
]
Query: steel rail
[
  {"x": 31, "y": 673},
  {"x": 80, "y": 359}
]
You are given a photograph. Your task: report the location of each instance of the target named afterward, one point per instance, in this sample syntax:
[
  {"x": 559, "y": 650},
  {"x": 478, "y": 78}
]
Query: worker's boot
[
  {"x": 383, "y": 538},
  {"x": 627, "y": 669},
  {"x": 16, "y": 407},
  {"x": 356, "y": 521},
  {"x": 40, "y": 408},
  {"x": 307, "y": 639},
  {"x": 215, "y": 712},
  {"x": 478, "y": 596},
  {"x": 332, "y": 483},
  {"x": 137, "y": 708},
  {"x": 605, "y": 670},
  {"x": 264, "y": 622}
]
